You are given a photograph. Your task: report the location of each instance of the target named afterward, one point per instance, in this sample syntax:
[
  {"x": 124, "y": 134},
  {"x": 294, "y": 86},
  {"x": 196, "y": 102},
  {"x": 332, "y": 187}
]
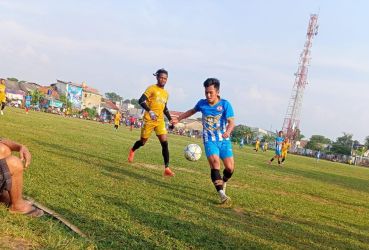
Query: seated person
[{"x": 11, "y": 178}]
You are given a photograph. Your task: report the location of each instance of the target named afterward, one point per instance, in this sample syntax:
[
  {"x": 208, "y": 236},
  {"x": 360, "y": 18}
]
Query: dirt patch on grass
[{"x": 7, "y": 242}]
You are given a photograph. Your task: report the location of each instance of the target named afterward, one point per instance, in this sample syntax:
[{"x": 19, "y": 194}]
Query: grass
[{"x": 79, "y": 169}]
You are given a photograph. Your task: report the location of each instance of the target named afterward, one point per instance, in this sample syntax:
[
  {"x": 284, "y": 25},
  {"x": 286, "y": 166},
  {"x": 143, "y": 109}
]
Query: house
[
  {"x": 91, "y": 97},
  {"x": 72, "y": 91}
]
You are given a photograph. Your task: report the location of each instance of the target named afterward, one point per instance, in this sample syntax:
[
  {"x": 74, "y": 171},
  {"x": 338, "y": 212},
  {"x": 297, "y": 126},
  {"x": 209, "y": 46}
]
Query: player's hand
[
  {"x": 25, "y": 156},
  {"x": 226, "y": 135},
  {"x": 174, "y": 121},
  {"x": 152, "y": 115}
]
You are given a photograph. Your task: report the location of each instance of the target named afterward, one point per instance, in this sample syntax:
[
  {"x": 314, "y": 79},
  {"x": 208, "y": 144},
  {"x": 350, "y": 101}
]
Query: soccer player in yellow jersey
[
  {"x": 154, "y": 102},
  {"x": 117, "y": 120},
  {"x": 285, "y": 147},
  {"x": 2, "y": 95},
  {"x": 257, "y": 145}
]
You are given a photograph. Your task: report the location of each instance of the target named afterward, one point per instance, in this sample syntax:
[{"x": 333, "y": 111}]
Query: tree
[
  {"x": 12, "y": 79},
  {"x": 92, "y": 112},
  {"x": 242, "y": 131},
  {"x": 366, "y": 142},
  {"x": 112, "y": 96},
  {"x": 135, "y": 103},
  {"x": 317, "y": 142},
  {"x": 36, "y": 96},
  {"x": 67, "y": 103},
  {"x": 343, "y": 144}
]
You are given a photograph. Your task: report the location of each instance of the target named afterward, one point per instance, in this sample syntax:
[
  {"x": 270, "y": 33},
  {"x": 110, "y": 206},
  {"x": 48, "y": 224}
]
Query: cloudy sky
[{"x": 253, "y": 47}]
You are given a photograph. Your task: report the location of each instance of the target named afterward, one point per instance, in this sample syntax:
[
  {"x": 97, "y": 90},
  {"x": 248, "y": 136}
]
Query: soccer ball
[{"x": 192, "y": 152}]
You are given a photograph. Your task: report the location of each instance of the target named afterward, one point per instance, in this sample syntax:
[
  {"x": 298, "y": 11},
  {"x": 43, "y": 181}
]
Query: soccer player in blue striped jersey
[
  {"x": 218, "y": 123},
  {"x": 278, "y": 148}
]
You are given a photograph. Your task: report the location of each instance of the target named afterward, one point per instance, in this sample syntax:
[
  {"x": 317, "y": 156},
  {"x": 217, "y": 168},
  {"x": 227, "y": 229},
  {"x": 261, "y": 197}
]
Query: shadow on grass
[{"x": 339, "y": 180}]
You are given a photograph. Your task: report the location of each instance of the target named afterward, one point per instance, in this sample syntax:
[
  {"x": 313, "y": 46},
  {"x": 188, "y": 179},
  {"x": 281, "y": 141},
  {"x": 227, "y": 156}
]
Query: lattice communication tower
[{"x": 291, "y": 124}]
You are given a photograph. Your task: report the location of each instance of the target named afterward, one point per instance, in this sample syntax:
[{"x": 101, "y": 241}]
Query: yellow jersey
[
  {"x": 2, "y": 93},
  {"x": 156, "y": 99},
  {"x": 117, "y": 118},
  {"x": 285, "y": 146}
]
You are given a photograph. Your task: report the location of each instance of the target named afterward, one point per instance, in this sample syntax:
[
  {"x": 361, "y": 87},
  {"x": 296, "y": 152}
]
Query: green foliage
[
  {"x": 79, "y": 169},
  {"x": 113, "y": 96},
  {"x": 92, "y": 112},
  {"x": 67, "y": 103},
  {"x": 36, "y": 96},
  {"x": 135, "y": 103},
  {"x": 12, "y": 79},
  {"x": 268, "y": 138},
  {"x": 318, "y": 142},
  {"x": 366, "y": 143},
  {"x": 242, "y": 131},
  {"x": 343, "y": 144}
]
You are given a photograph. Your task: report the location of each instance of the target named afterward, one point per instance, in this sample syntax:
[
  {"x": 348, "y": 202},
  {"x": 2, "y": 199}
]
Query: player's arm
[
  {"x": 167, "y": 113},
  {"x": 230, "y": 127},
  {"x": 142, "y": 102},
  {"x": 185, "y": 115}
]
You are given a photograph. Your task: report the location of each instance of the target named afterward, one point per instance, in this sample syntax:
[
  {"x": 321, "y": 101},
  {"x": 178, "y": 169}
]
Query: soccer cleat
[
  {"x": 224, "y": 198},
  {"x": 131, "y": 155},
  {"x": 168, "y": 172}
]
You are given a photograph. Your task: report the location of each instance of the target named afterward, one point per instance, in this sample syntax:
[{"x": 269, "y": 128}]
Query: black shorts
[{"x": 5, "y": 178}]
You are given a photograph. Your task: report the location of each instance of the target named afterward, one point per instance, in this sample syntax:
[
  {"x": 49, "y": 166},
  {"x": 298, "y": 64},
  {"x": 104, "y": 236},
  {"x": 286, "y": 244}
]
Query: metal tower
[{"x": 291, "y": 124}]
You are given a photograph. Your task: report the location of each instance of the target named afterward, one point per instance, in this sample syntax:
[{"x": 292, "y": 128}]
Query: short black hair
[
  {"x": 212, "y": 81},
  {"x": 161, "y": 71}
]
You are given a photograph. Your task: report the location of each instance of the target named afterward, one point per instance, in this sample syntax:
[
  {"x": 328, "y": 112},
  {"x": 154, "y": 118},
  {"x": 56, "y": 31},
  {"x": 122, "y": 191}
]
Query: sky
[{"x": 252, "y": 47}]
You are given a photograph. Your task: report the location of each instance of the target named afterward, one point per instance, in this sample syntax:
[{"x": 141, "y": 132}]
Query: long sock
[
  {"x": 2, "y": 105},
  {"x": 165, "y": 153},
  {"x": 283, "y": 159},
  {"x": 137, "y": 145},
  {"x": 227, "y": 175},
  {"x": 279, "y": 161},
  {"x": 272, "y": 159},
  {"x": 217, "y": 179}
]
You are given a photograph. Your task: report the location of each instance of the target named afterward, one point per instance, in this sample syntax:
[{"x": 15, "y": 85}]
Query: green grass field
[{"x": 79, "y": 169}]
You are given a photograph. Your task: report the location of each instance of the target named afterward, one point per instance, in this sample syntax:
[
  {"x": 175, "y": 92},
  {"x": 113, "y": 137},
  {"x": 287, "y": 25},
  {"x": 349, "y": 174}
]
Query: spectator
[{"x": 11, "y": 178}]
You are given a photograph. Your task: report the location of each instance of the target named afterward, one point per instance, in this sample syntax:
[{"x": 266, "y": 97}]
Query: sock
[
  {"x": 279, "y": 161},
  {"x": 165, "y": 153},
  {"x": 272, "y": 159},
  {"x": 217, "y": 179},
  {"x": 283, "y": 159},
  {"x": 137, "y": 145},
  {"x": 227, "y": 175}
]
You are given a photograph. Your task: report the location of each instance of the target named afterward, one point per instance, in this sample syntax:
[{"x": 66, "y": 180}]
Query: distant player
[
  {"x": 218, "y": 123},
  {"x": 2, "y": 96},
  {"x": 317, "y": 156},
  {"x": 265, "y": 146},
  {"x": 154, "y": 102},
  {"x": 131, "y": 122},
  {"x": 278, "y": 148},
  {"x": 257, "y": 145},
  {"x": 117, "y": 120},
  {"x": 285, "y": 147},
  {"x": 242, "y": 142},
  {"x": 27, "y": 101}
]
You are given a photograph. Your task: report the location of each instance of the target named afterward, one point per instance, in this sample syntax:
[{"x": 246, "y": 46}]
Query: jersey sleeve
[
  {"x": 148, "y": 91},
  {"x": 229, "y": 110},
  {"x": 197, "y": 107}
]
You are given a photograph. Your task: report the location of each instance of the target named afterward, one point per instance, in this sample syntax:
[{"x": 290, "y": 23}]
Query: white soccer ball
[{"x": 192, "y": 152}]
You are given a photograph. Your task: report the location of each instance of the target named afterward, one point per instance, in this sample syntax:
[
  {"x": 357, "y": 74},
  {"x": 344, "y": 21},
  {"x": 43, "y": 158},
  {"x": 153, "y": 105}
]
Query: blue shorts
[{"x": 221, "y": 148}]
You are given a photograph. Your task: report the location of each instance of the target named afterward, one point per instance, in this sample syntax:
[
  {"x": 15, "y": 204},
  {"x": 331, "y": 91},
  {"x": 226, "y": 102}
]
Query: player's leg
[
  {"x": 161, "y": 133},
  {"x": 145, "y": 134},
  {"x": 2, "y": 108},
  {"x": 212, "y": 154},
  {"x": 226, "y": 154}
]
